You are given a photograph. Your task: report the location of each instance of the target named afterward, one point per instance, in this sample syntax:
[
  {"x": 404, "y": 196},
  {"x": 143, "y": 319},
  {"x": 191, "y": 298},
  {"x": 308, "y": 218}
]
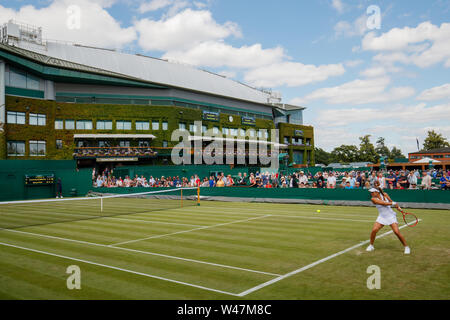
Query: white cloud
[
  {"x": 154, "y": 5},
  {"x": 424, "y": 45},
  {"x": 220, "y": 54},
  {"x": 399, "y": 114},
  {"x": 347, "y": 29},
  {"x": 436, "y": 93},
  {"x": 97, "y": 28},
  {"x": 353, "y": 63},
  {"x": 338, "y": 5},
  {"x": 359, "y": 92},
  {"x": 292, "y": 74},
  {"x": 185, "y": 30},
  {"x": 373, "y": 72}
]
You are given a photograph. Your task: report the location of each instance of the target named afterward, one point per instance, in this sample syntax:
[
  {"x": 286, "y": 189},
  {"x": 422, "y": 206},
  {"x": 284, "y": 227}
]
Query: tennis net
[{"x": 19, "y": 214}]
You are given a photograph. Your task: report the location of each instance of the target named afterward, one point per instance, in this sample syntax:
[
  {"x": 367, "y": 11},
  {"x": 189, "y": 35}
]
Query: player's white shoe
[
  {"x": 370, "y": 248},
  {"x": 407, "y": 250}
]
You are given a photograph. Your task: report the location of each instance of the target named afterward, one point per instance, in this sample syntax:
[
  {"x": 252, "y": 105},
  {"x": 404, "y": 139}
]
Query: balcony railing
[{"x": 111, "y": 152}]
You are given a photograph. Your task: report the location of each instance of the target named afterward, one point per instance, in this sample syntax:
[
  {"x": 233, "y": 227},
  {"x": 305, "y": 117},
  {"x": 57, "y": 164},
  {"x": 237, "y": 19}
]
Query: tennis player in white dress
[{"x": 386, "y": 216}]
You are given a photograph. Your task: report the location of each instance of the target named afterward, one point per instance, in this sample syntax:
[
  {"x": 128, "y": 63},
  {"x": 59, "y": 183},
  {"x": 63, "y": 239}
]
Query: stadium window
[
  {"x": 225, "y": 131},
  {"x": 286, "y": 140},
  {"x": 165, "y": 144},
  {"x": 16, "y": 148},
  {"x": 59, "y": 144},
  {"x": 59, "y": 124},
  {"x": 37, "y": 148},
  {"x": 182, "y": 126},
  {"x": 260, "y": 134},
  {"x": 242, "y": 132},
  {"x": 251, "y": 133},
  {"x": 70, "y": 124},
  {"x": 233, "y": 132},
  {"x": 124, "y": 143},
  {"x": 123, "y": 125},
  {"x": 142, "y": 125},
  {"x": 84, "y": 125},
  {"x": 17, "y": 78},
  {"x": 37, "y": 119},
  {"x": 204, "y": 129},
  {"x": 165, "y": 125},
  {"x": 143, "y": 143},
  {"x": 215, "y": 130},
  {"x": 32, "y": 82},
  {"x": 104, "y": 125},
  {"x": 103, "y": 144},
  {"x": 16, "y": 117},
  {"x": 155, "y": 125},
  {"x": 193, "y": 128}
]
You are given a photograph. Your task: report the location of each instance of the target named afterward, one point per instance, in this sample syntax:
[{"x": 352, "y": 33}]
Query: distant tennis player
[
  {"x": 59, "y": 188},
  {"x": 386, "y": 217}
]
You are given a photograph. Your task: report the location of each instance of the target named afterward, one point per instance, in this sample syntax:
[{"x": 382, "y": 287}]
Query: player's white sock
[
  {"x": 407, "y": 250},
  {"x": 370, "y": 248}
]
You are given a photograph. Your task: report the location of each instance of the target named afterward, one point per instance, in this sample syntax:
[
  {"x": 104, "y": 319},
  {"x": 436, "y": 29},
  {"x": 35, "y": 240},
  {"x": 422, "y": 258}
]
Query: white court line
[
  {"x": 299, "y": 216},
  {"x": 265, "y": 284},
  {"x": 190, "y": 230},
  {"x": 117, "y": 268},
  {"x": 288, "y": 211},
  {"x": 143, "y": 252},
  {"x": 153, "y": 221}
]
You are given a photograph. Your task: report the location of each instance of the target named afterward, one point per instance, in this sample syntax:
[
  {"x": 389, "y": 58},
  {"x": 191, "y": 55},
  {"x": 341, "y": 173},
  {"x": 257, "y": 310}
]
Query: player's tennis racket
[{"x": 409, "y": 218}]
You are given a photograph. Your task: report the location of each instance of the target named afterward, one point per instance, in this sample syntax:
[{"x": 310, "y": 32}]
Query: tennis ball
[{"x": 318, "y": 211}]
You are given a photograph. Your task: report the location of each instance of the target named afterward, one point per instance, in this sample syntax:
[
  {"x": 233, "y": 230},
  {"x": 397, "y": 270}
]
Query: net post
[
  {"x": 101, "y": 203},
  {"x": 182, "y": 197},
  {"x": 198, "y": 196}
]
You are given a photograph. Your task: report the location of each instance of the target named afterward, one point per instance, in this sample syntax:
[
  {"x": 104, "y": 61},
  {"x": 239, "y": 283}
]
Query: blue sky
[{"x": 392, "y": 81}]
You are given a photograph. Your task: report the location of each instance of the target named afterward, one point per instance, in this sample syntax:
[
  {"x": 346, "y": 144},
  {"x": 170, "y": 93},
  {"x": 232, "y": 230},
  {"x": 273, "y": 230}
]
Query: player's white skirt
[{"x": 386, "y": 216}]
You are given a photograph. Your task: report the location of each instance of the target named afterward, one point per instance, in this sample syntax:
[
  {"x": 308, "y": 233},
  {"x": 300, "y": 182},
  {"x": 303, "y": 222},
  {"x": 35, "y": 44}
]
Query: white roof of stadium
[{"x": 149, "y": 69}]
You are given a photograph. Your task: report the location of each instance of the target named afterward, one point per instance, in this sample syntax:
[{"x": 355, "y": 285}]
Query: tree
[
  {"x": 435, "y": 140},
  {"x": 345, "y": 153},
  {"x": 396, "y": 153},
  {"x": 367, "y": 150},
  {"x": 381, "y": 149},
  {"x": 321, "y": 156}
]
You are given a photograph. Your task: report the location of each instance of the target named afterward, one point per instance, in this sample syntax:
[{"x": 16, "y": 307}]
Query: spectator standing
[
  {"x": 59, "y": 188},
  {"x": 331, "y": 181},
  {"x": 426, "y": 181}
]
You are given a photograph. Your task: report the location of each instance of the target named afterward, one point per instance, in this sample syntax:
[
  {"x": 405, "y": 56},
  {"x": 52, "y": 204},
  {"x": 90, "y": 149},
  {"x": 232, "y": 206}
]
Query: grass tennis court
[{"x": 223, "y": 250}]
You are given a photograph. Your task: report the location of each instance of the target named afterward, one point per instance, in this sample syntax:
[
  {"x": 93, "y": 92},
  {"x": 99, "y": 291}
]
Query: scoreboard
[
  {"x": 39, "y": 180},
  {"x": 210, "y": 116}
]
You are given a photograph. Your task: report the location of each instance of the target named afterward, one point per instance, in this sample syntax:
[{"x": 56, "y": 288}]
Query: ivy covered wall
[{"x": 79, "y": 111}]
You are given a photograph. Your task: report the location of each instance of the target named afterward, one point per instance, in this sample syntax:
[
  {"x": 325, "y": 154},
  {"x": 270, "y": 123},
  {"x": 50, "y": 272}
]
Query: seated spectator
[
  {"x": 331, "y": 181},
  {"x": 412, "y": 180},
  {"x": 403, "y": 181},
  {"x": 445, "y": 181},
  {"x": 220, "y": 183},
  {"x": 426, "y": 181}
]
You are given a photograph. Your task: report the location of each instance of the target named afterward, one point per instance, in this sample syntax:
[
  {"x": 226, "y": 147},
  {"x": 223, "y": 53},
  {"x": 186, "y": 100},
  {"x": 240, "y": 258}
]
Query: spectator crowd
[{"x": 412, "y": 179}]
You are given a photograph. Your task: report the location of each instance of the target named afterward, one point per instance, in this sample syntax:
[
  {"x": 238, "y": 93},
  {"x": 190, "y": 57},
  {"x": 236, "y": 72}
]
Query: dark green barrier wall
[
  {"x": 421, "y": 196},
  {"x": 12, "y": 178}
]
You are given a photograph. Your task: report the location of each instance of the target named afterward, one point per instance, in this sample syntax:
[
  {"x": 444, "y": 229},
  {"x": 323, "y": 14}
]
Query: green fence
[{"x": 12, "y": 179}]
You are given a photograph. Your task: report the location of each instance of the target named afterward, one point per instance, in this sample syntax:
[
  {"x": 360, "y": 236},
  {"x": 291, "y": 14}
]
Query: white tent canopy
[{"x": 427, "y": 160}]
